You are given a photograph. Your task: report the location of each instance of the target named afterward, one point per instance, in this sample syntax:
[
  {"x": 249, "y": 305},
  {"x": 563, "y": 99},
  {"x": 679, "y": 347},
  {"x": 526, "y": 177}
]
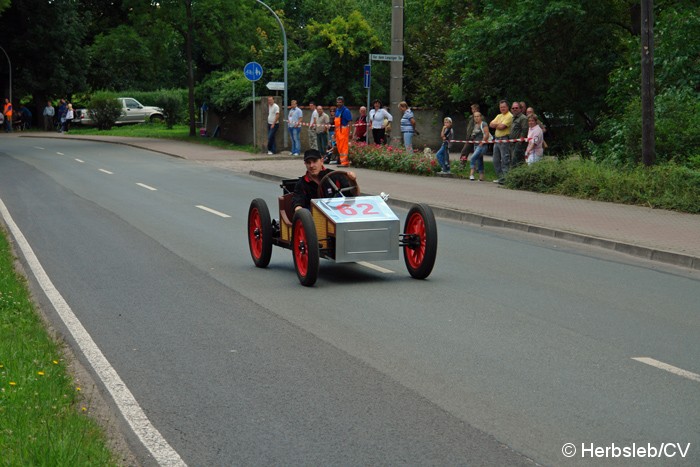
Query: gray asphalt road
[{"x": 513, "y": 347}]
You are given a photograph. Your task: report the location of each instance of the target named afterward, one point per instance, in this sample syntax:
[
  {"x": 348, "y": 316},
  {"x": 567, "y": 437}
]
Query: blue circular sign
[{"x": 253, "y": 71}]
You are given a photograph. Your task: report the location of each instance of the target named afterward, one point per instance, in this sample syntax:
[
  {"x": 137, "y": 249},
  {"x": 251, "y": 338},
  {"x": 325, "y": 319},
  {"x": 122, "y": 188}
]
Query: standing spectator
[
  {"x": 7, "y": 112},
  {"x": 331, "y": 136},
  {"x": 522, "y": 107},
  {"x": 408, "y": 126},
  {"x": 49, "y": 113},
  {"x": 531, "y": 111},
  {"x": 62, "y": 114},
  {"x": 26, "y": 117},
  {"x": 479, "y": 133},
  {"x": 294, "y": 125},
  {"x": 535, "y": 146},
  {"x": 313, "y": 140},
  {"x": 67, "y": 119},
  {"x": 501, "y": 156},
  {"x": 343, "y": 118},
  {"x": 378, "y": 116},
  {"x": 360, "y": 133},
  {"x": 273, "y": 123},
  {"x": 468, "y": 147},
  {"x": 321, "y": 130},
  {"x": 443, "y": 155},
  {"x": 518, "y": 130}
]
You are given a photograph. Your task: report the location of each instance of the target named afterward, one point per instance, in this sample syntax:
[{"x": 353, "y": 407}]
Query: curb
[{"x": 652, "y": 254}]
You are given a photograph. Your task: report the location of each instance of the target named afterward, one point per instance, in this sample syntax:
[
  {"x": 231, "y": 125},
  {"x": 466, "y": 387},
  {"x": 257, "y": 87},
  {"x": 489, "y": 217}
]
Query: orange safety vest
[{"x": 7, "y": 110}]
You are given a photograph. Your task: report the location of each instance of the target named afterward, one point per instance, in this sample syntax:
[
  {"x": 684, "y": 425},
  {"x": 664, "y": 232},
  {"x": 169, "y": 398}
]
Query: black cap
[{"x": 311, "y": 154}]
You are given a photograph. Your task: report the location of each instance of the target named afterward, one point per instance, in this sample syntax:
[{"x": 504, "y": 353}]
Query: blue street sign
[
  {"x": 253, "y": 71},
  {"x": 368, "y": 75}
]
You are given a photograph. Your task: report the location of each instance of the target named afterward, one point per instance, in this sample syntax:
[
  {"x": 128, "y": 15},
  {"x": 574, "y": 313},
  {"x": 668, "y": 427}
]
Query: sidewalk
[{"x": 664, "y": 236}]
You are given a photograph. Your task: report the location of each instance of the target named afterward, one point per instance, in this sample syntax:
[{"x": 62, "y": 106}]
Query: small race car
[{"x": 344, "y": 228}]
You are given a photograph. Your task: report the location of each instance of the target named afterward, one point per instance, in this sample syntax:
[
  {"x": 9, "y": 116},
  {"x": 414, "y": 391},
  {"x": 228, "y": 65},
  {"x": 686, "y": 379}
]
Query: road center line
[
  {"x": 151, "y": 438},
  {"x": 670, "y": 368},
  {"x": 60, "y": 154},
  {"x": 213, "y": 211},
  {"x": 106, "y": 171},
  {"x": 375, "y": 267},
  {"x": 147, "y": 187},
  {"x": 80, "y": 160},
  {"x": 38, "y": 147}
]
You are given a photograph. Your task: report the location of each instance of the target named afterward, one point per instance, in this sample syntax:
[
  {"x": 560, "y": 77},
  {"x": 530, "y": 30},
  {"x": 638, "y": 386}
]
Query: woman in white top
[
  {"x": 377, "y": 116},
  {"x": 69, "y": 118},
  {"x": 535, "y": 137}
]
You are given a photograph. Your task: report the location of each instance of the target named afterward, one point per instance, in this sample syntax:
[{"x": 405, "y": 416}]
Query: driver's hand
[{"x": 351, "y": 175}]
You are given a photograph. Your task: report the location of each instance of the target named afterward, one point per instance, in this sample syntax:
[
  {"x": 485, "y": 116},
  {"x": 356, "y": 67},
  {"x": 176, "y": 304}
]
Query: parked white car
[{"x": 132, "y": 112}]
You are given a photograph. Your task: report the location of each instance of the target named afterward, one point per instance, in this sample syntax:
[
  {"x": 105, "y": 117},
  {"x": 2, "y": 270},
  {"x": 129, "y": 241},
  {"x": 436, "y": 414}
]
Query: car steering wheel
[{"x": 351, "y": 188}]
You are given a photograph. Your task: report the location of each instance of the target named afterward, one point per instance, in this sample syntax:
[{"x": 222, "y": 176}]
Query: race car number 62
[{"x": 366, "y": 208}]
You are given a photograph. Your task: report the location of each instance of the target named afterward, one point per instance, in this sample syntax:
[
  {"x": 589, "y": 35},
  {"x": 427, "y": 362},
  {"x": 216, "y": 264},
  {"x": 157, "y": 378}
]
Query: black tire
[
  {"x": 259, "y": 233},
  {"x": 420, "y": 258},
  {"x": 305, "y": 247},
  {"x": 157, "y": 118}
]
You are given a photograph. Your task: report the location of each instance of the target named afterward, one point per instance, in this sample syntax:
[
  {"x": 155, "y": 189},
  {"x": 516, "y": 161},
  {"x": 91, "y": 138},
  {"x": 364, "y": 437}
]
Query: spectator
[
  {"x": 321, "y": 130},
  {"x": 273, "y": 123},
  {"x": 501, "y": 157},
  {"x": 360, "y": 133},
  {"x": 294, "y": 125},
  {"x": 535, "y": 146},
  {"x": 26, "y": 117},
  {"x": 2, "y": 120},
  {"x": 331, "y": 136},
  {"x": 518, "y": 130},
  {"x": 531, "y": 111},
  {"x": 379, "y": 118},
  {"x": 443, "y": 155},
  {"x": 62, "y": 114},
  {"x": 313, "y": 140},
  {"x": 343, "y": 118},
  {"x": 480, "y": 133},
  {"x": 408, "y": 126},
  {"x": 49, "y": 113},
  {"x": 67, "y": 119},
  {"x": 468, "y": 147},
  {"x": 7, "y": 112},
  {"x": 522, "y": 107}
]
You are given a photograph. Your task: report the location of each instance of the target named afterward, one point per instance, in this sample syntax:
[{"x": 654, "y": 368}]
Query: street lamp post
[
  {"x": 284, "y": 40},
  {"x": 9, "y": 64}
]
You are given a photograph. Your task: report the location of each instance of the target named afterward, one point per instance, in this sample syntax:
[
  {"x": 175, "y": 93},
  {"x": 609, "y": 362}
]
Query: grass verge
[
  {"x": 43, "y": 418},
  {"x": 665, "y": 186}
]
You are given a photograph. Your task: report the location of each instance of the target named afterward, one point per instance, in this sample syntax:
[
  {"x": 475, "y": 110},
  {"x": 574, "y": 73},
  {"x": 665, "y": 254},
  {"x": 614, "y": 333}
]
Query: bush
[
  {"x": 392, "y": 159},
  {"x": 171, "y": 103},
  {"x": 104, "y": 110},
  {"x": 666, "y": 186}
]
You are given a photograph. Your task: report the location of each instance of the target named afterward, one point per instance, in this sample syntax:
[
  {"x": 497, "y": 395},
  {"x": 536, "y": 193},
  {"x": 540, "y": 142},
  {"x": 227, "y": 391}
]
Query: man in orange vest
[
  {"x": 7, "y": 112},
  {"x": 343, "y": 118}
]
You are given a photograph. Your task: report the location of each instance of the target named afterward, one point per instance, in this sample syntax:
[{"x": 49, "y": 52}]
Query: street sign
[
  {"x": 386, "y": 58},
  {"x": 367, "y": 76},
  {"x": 275, "y": 85},
  {"x": 253, "y": 71}
]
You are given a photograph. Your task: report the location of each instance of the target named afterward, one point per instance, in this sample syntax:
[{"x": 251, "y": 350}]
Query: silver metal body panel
[{"x": 366, "y": 229}]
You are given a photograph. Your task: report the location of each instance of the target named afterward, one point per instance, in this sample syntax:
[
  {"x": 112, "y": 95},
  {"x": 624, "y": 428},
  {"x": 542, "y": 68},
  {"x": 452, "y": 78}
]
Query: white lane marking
[
  {"x": 60, "y": 154},
  {"x": 147, "y": 187},
  {"x": 375, "y": 267},
  {"x": 38, "y": 147},
  {"x": 670, "y": 368},
  {"x": 106, "y": 171},
  {"x": 80, "y": 160},
  {"x": 127, "y": 404},
  {"x": 213, "y": 211}
]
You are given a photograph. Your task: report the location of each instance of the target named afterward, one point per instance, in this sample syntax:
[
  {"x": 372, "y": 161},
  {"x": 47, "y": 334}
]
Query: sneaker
[
  {"x": 496, "y": 180},
  {"x": 269, "y": 153},
  {"x": 333, "y": 163},
  {"x": 471, "y": 177}
]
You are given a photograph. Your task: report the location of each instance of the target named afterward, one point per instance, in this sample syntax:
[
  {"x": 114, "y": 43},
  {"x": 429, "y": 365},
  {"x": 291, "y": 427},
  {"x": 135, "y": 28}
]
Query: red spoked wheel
[
  {"x": 259, "y": 233},
  {"x": 305, "y": 247},
  {"x": 420, "y": 241}
]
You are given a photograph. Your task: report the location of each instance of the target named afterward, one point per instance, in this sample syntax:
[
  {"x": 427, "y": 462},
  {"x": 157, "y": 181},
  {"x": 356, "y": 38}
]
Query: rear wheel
[
  {"x": 259, "y": 233},
  {"x": 305, "y": 247},
  {"x": 420, "y": 241}
]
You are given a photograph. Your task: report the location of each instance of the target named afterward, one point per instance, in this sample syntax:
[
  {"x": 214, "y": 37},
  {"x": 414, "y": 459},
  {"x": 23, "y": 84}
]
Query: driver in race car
[{"x": 306, "y": 188}]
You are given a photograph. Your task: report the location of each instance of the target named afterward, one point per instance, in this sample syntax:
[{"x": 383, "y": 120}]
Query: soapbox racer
[{"x": 344, "y": 228}]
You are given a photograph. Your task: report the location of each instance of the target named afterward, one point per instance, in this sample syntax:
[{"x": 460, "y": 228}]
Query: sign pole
[
  {"x": 255, "y": 133},
  {"x": 253, "y": 71},
  {"x": 369, "y": 86}
]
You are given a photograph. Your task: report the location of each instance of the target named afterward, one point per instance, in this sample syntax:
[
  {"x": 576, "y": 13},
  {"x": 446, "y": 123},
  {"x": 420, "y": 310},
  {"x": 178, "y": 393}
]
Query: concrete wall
[{"x": 238, "y": 128}]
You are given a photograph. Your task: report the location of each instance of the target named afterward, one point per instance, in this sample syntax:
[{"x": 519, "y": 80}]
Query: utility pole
[
  {"x": 396, "y": 67},
  {"x": 648, "y": 143}
]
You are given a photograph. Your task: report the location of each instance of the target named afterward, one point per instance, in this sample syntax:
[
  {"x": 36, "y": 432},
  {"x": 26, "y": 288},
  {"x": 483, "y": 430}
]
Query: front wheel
[
  {"x": 259, "y": 233},
  {"x": 305, "y": 247},
  {"x": 420, "y": 241}
]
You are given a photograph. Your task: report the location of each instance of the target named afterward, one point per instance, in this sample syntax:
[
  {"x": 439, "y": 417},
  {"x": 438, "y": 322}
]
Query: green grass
[
  {"x": 159, "y": 130},
  {"x": 44, "y": 420}
]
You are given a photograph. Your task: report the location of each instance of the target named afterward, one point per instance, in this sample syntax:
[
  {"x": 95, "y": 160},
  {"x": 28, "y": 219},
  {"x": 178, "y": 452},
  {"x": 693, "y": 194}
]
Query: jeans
[
  {"x": 322, "y": 141},
  {"x": 501, "y": 157},
  {"x": 271, "y": 142},
  {"x": 443, "y": 157},
  {"x": 294, "y": 134},
  {"x": 408, "y": 141},
  {"x": 477, "y": 160}
]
